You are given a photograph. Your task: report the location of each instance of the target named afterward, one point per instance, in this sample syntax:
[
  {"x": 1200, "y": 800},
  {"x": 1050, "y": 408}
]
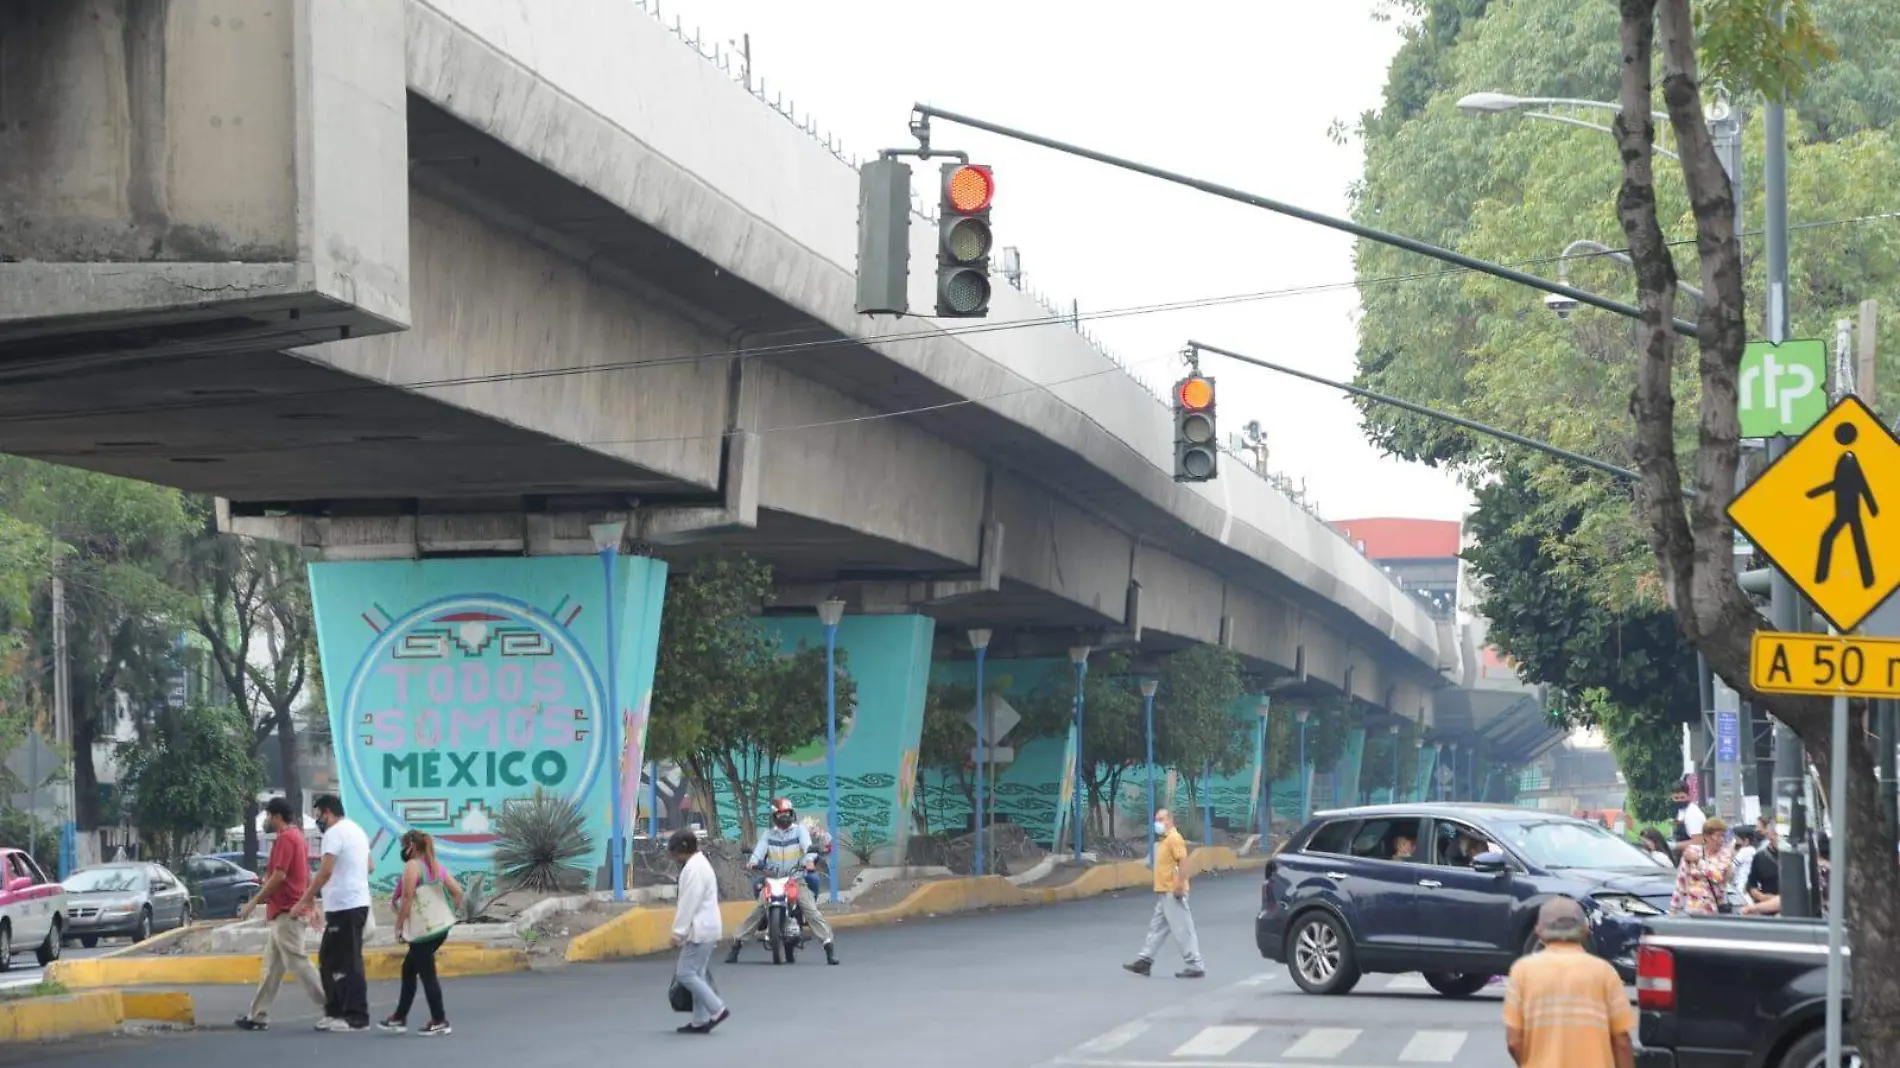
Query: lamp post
[
  {"x": 1453, "y": 782},
  {"x": 653, "y": 800},
  {"x": 607, "y": 537},
  {"x": 1496, "y": 103},
  {"x": 829, "y": 613},
  {"x": 1079, "y": 656},
  {"x": 1306, "y": 778},
  {"x": 980, "y": 641},
  {"x": 1394, "y": 729},
  {"x": 1438, "y": 783},
  {"x": 1148, "y": 688},
  {"x": 1266, "y": 773}
]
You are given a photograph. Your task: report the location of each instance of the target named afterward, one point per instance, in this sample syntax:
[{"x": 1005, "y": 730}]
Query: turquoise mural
[
  {"x": 1027, "y": 790},
  {"x": 888, "y": 658},
  {"x": 456, "y": 687}
]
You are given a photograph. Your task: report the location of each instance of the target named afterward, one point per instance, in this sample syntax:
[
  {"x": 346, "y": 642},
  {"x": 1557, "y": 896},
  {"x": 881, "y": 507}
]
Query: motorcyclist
[{"x": 783, "y": 849}]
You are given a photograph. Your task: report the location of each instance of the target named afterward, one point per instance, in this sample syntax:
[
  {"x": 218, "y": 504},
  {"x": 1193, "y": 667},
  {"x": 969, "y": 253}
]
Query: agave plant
[
  {"x": 475, "y": 897},
  {"x": 541, "y": 843}
]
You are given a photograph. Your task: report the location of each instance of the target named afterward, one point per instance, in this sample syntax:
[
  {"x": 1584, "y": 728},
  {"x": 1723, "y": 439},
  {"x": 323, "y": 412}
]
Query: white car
[{"x": 32, "y": 910}]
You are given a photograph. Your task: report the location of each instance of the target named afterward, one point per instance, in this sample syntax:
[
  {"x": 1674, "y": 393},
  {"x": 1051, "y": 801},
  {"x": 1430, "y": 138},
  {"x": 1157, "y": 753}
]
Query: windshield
[
  {"x": 1571, "y": 844},
  {"x": 106, "y": 881}
]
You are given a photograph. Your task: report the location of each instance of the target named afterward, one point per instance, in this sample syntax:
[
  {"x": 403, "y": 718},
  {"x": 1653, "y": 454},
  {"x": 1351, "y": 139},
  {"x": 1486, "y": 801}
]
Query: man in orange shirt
[
  {"x": 1171, "y": 915},
  {"x": 1564, "y": 1008}
]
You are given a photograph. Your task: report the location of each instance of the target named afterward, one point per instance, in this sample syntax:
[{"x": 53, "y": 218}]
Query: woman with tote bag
[
  {"x": 696, "y": 929},
  {"x": 426, "y": 899}
]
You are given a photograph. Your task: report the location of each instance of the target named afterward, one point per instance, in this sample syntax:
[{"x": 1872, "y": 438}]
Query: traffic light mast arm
[
  {"x": 920, "y": 128},
  {"x": 1431, "y": 413}
]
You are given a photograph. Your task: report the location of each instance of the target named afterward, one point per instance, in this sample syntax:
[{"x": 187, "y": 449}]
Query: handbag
[
  {"x": 681, "y": 998},
  {"x": 430, "y": 914}
]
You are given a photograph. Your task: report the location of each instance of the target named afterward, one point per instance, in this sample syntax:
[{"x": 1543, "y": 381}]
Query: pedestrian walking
[
  {"x": 286, "y": 876},
  {"x": 696, "y": 928},
  {"x": 1171, "y": 915},
  {"x": 343, "y": 882},
  {"x": 427, "y": 898},
  {"x": 1565, "y": 1007}
]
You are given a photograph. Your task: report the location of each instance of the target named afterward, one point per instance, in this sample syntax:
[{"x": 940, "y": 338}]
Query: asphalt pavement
[{"x": 1025, "y": 988}]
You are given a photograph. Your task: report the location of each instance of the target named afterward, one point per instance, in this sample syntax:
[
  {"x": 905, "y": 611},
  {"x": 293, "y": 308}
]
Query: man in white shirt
[{"x": 343, "y": 880}]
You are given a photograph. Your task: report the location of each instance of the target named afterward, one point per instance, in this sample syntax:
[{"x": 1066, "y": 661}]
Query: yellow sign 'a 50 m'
[{"x": 1827, "y": 513}]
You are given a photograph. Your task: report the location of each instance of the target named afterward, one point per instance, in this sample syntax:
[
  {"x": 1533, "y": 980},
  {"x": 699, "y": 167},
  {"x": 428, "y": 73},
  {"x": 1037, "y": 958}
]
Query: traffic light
[
  {"x": 963, "y": 241},
  {"x": 884, "y": 237},
  {"x": 1195, "y": 451}
]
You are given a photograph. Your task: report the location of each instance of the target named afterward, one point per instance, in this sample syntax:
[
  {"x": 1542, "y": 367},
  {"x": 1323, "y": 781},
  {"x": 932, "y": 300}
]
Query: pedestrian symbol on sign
[{"x": 1850, "y": 488}]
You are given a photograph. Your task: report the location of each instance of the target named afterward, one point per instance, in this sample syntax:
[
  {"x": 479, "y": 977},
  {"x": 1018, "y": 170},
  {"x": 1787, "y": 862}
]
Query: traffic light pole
[{"x": 920, "y": 128}]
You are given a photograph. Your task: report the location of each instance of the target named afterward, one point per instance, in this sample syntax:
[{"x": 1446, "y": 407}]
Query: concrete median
[{"x": 242, "y": 969}]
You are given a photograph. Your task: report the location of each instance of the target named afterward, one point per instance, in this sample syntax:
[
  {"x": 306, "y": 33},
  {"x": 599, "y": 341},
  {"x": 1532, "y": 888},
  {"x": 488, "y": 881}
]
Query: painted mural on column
[
  {"x": 889, "y": 661},
  {"x": 456, "y": 687},
  {"x": 1027, "y": 790}
]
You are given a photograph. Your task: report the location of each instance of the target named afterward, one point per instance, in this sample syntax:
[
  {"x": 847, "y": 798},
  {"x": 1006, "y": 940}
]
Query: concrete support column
[
  {"x": 457, "y": 686},
  {"x": 1024, "y": 790}
]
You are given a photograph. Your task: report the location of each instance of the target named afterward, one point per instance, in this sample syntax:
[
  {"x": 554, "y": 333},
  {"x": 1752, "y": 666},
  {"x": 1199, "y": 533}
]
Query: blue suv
[{"x": 1451, "y": 891}]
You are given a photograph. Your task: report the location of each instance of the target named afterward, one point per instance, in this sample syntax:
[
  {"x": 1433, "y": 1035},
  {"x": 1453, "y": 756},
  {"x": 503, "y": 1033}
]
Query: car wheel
[
  {"x": 1456, "y": 985},
  {"x": 89, "y": 941},
  {"x": 144, "y": 930},
  {"x": 1810, "y": 1051},
  {"x": 6, "y": 947},
  {"x": 48, "y": 951},
  {"x": 1319, "y": 955}
]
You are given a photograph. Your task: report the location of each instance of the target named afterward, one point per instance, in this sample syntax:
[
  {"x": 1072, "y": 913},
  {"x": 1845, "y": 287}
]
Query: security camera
[{"x": 1560, "y": 304}]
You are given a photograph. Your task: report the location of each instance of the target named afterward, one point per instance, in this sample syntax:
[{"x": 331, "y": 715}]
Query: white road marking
[
  {"x": 1111, "y": 1041},
  {"x": 1081, "y": 1062},
  {"x": 1440, "y": 1047},
  {"x": 1215, "y": 1041},
  {"x": 1408, "y": 981},
  {"x": 1323, "y": 1042},
  {"x": 1258, "y": 980}
]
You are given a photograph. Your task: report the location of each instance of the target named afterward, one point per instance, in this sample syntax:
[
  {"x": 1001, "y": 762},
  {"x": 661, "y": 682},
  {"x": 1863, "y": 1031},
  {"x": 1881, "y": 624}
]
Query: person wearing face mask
[
  {"x": 419, "y": 869},
  {"x": 783, "y": 849},
  {"x": 1171, "y": 915},
  {"x": 343, "y": 880}
]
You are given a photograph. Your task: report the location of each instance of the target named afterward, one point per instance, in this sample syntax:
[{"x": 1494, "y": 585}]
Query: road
[
  {"x": 26, "y": 971},
  {"x": 1030, "y": 988}
]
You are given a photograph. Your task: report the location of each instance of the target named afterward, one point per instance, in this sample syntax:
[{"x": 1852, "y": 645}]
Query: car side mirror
[{"x": 1492, "y": 863}]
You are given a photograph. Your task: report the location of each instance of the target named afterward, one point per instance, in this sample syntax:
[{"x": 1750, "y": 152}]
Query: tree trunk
[
  {"x": 287, "y": 756},
  {"x": 250, "y": 836},
  {"x": 85, "y": 776},
  {"x": 1873, "y": 908}
]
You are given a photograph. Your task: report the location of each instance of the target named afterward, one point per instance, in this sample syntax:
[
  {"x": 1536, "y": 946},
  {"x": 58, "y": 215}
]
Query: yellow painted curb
[
  {"x": 160, "y": 1006},
  {"x": 155, "y": 941},
  {"x": 639, "y": 932},
  {"x": 41, "y": 1019},
  {"x": 457, "y": 959}
]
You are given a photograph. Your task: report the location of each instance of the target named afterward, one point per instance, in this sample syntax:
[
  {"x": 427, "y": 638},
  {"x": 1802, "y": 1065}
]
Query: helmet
[{"x": 783, "y": 815}]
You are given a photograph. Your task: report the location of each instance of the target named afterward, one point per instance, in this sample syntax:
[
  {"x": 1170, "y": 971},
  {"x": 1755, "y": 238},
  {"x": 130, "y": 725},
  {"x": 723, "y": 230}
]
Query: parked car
[
  {"x": 1734, "y": 990},
  {"x": 132, "y": 899},
  {"x": 32, "y": 910},
  {"x": 1344, "y": 897},
  {"x": 222, "y": 885}
]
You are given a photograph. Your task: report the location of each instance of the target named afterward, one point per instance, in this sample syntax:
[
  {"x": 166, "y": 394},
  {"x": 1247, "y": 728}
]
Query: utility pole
[{"x": 63, "y": 722}]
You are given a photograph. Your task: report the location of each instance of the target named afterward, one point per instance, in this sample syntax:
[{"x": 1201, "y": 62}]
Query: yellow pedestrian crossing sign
[{"x": 1827, "y": 513}]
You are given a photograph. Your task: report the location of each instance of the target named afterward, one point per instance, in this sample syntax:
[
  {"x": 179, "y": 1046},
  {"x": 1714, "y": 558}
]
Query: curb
[
  {"x": 96, "y": 1012},
  {"x": 243, "y": 969},
  {"x": 640, "y": 932}
]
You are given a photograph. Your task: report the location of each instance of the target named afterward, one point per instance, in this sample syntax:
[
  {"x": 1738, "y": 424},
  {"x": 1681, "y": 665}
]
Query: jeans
[
  {"x": 691, "y": 971},
  {"x": 1171, "y": 917},
  {"x": 340, "y": 960},
  {"x": 284, "y": 953},
  {"x": 420, "y": 964}
]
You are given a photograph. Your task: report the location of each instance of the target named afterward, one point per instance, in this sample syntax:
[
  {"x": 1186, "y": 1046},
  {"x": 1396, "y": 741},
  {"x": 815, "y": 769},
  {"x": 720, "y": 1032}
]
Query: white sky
[{"x": 1237, "y": 91}]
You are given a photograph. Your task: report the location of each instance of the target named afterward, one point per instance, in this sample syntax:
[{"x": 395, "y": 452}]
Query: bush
[{"x": 541, "y": 844}]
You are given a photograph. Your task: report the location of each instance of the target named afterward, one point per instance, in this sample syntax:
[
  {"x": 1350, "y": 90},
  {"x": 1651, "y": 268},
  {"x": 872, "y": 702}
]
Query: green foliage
[
  {"x": 541, "y": 843},
  {"x": 709, "y": 640},
  {"x": 1382, "y": 747},
  {"x": 1327, "y": 732},
  {"x": 476, "y": 897},
  {"x": 1766, "y": 46},
  {"x": 1648, "y": 750},
  {"x": 1195, "y": 724},
  {"x": 1114, "y": 737},
  {"x": 863, "y": 843},
  {"x": 195, "y": 774}
]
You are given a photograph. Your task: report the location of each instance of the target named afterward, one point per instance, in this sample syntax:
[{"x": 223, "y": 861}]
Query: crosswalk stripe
[
  {"x": 1436, "y": 1046},
  {"x": 1215, "y": 1041},
  {"x": 1408, "y": 981},
  {"x": 1111, "y": 1041},
  {"x": 1323, "y": 1042}
]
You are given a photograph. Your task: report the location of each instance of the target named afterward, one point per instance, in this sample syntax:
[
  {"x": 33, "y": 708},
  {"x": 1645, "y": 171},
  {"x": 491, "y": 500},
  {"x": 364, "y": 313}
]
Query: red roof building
[{"x": 1421, "y": 553}]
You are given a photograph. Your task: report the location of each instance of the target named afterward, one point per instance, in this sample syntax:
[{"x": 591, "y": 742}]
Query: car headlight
[
  {"x": 1625, "y": 905},
  {"x": 118, "y": 910}
]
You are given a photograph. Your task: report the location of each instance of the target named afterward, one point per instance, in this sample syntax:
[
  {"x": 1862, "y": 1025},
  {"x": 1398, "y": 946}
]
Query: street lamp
[
  {"x": 1079, "y": 656},
  {"x": 1148, "y": 688},
  {"x": 1601, "y": 249},
  {"x": 1306, "y": 777},
  {"x": 607, "y": 538},
  {"x": 829, "y": 613},
  {"x": 980, "y": 641},
  {"x": 1266, "y": 774},
  {"x": 1453, "y": 782},
  {"x": 1498, "y": 103},
  {"x": 1438, "y": 783},
  {"x": 1394, "y": 729}
]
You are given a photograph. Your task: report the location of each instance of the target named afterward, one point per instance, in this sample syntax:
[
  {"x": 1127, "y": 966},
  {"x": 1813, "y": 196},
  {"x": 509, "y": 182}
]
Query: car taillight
[{"x": 1655, "y": 979}]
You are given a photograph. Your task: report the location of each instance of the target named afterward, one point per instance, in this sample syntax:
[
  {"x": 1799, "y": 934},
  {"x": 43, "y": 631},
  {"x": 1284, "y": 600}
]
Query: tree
[
  {"x": 1114, "y": 737},
  {"x": 194, "y": 774},
  {"x": 1386, "y": 751},
  {"x": 943, "y": 748},
  {"x": 1196, "y": 731}
]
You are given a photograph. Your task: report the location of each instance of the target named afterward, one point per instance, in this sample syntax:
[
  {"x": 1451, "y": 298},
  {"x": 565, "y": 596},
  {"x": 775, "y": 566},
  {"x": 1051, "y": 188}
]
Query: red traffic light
[
  {"x": 1195, "y": 394},
  {"x": 969, "y": 189}
]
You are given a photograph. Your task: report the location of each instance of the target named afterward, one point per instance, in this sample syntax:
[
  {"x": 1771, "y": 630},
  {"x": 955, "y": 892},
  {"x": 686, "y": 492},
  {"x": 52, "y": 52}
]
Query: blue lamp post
[
  {"x": 1148, "y": 687},
  {"x": 1306, "y": 778},
  {"x": 980, "y": 641},
  {"x": 1451, "y": 783},
  {"x": 653, "y": 800},
  {"x": 1395, "y": 763},
  {"x": 1079, "y": 656},
  {"x": 1266, "y": 773},
  {"x": 829, "y": 613},
  {"x": 607, "y": 537}
]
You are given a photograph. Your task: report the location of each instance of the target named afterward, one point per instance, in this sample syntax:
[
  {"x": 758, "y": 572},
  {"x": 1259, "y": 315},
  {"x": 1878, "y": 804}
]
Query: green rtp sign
[{"x": 1783, "y": 388}]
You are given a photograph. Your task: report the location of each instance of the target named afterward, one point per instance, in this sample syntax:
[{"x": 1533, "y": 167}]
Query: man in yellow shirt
[
  {"x": 1564, "y": 1008},
  {"x": 1171, "y": 915}
]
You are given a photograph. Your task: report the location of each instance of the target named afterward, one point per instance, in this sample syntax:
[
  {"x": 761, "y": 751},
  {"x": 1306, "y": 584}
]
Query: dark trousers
[
  {"x": 340, "y": 960},
  {"x": 420, "y": 964}
]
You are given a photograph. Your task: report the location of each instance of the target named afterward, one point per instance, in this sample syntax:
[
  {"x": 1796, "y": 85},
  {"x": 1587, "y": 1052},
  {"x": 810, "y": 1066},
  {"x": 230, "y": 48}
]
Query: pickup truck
[
  {"x": 32, "y": 910},
  {"x": 1732, "y": 992}
]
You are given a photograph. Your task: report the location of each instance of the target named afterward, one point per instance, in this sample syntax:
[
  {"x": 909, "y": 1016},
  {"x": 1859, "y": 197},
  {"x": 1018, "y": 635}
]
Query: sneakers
[
  {"x": 1190, "y": 973},
  {"x": 1140, "y": 966},
  {"x": 392, "y": 1025},
  {"x": 327, "y": 1022},
  {"x": 331, "y": 1023},
  {"x": 245, "y": 1023},
  {"x": 435, "y": 1029}
]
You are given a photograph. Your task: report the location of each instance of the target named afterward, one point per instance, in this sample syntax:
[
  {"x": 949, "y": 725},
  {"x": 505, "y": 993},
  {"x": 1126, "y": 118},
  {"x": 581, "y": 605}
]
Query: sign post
[{"x": 1728, "y": 764}]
